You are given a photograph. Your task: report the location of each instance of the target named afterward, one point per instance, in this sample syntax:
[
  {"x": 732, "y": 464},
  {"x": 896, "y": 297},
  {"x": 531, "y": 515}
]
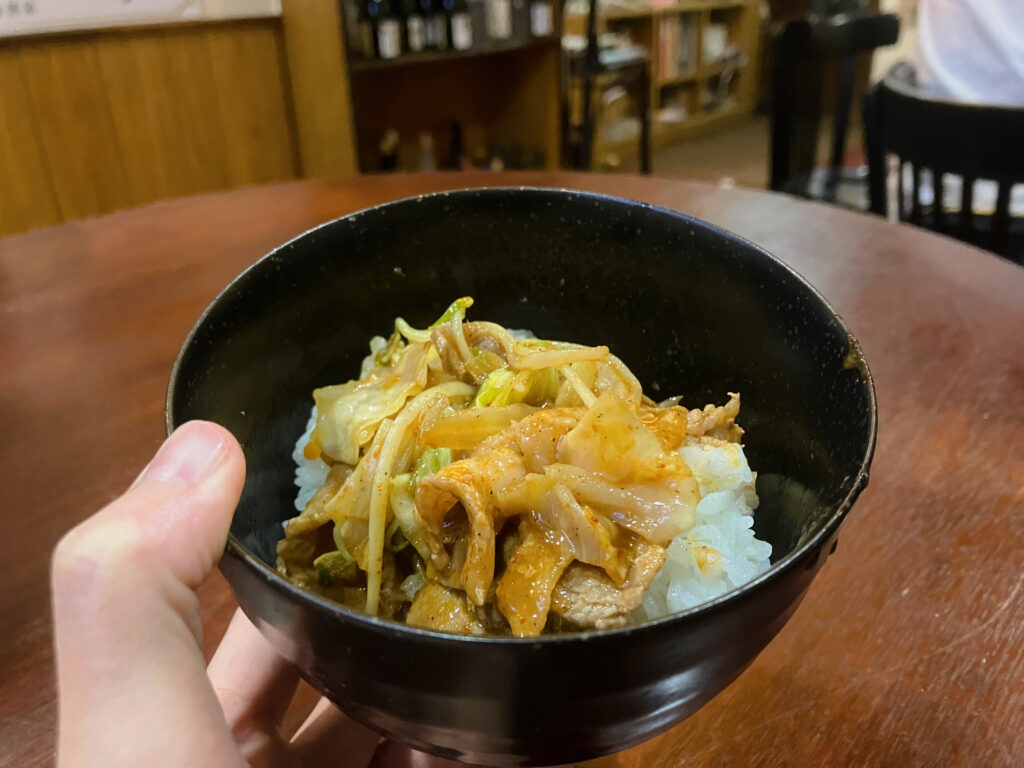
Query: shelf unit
[
  {"x": 644, "y": 26},
  {"x": 503, "y": 93},
  {"x": 358, "y": 64}
]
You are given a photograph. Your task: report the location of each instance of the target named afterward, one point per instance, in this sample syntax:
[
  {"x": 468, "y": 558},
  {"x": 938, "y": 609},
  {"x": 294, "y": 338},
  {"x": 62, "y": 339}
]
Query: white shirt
[{"x": 972, "y": 50}]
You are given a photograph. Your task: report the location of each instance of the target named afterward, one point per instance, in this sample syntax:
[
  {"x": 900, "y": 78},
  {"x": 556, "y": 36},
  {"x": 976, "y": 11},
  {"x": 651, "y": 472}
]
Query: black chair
[
  {"x": 971, "y": 141},
  {"x": 800, "y": 50},
  {"x": 630, "y": 71}
]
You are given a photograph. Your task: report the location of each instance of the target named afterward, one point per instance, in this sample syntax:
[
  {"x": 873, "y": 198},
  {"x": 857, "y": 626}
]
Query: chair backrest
[
  {"x": 943, "y": 137},
  {"x": 799, "y": 49}
]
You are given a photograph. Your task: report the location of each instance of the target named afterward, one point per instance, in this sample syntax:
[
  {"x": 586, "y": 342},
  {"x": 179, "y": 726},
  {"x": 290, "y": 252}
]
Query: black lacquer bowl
[{"x": 692, "y": 309}]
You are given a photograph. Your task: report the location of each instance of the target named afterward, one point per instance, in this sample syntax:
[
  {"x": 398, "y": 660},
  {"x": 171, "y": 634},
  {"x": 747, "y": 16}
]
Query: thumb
[{"x": 131, "y": 674}]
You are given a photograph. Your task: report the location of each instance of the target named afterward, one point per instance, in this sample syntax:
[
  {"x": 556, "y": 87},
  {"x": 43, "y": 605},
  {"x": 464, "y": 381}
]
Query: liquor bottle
[
  {"x": 439, "y": 20},
  {"x": 428, "y": 158},
  {"x": 478, "y": 18},
  {"x": 456, "y": 154},
  {"x": 365, "y": 37},
  {"x": 415, "y": 27},
  {"x": 542, "y": 20},
  {"x": 499, "y": 19},
  {"x": 389, "y": 30},
  {"x": 520, "y": 20},
  {"x": 435, "y": 31},
  {"x": 460, "y": 27},
  {"x": 388, "y": 150}
]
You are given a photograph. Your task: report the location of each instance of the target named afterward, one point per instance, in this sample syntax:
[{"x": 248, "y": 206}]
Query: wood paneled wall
[
  {"x": 318, "y": 74},
  {"x": 91, "y": 123}
]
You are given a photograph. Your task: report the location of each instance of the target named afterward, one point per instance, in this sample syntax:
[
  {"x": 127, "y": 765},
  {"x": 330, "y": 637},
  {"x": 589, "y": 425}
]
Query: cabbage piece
[
  {"x": 483, "y": 362},
  {"x": 431, "y": 461},
  {"x": 612, "y": 440},
  {"x": 394, "y": 540},
  {"x": 496, "y": 389},
  {"x": 335, "y": 566},
  {"x": 412, "y": 584},
  {"x": 403, "y": 505},
  {"x": 504, "y": 387},
  {"x": 349, "y": 507},
  {"x": 657, "y": 511},
  {"x": 465, "y": 429},
  {"x": 591, "y": 535},
  {"x": 537, "y": 387},
  {"x": 401, "y": 433},
  {"x": 349, "y": 414}
]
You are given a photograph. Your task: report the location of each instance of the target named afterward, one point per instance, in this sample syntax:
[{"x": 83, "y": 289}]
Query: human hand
[{"x": 134, "y": 689}]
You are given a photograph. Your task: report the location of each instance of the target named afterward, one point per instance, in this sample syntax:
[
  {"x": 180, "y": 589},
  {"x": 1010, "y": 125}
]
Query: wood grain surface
[
  {"x": 909, "y": 648},
  {"x": 321, "y": 98},
  {"x": 98, "y": 121}
]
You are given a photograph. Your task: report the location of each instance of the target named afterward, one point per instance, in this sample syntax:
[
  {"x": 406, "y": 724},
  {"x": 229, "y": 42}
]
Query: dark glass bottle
[
  {"x": 388, "y": 150},
  {"x": 365, "y": 37},
  {"x": 499, "y": 19},
  {"x": 435, "y": 30},
  {"x": 542, "y": 18},
  {"x": 439, "y": 21},
  {"x": 415, "y": 27},
  {"x": 389, "y": 30},
  {"x": 460, "y": 27},
  {"x": 520, "y": 20}
]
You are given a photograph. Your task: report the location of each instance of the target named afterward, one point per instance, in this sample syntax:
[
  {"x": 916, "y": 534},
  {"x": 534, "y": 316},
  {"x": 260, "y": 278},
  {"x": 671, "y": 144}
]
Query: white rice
[
  {"x": 725, "y": 518},
  {"x": 309, "y": 475}
]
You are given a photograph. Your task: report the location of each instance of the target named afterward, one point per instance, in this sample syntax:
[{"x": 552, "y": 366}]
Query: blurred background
[{"x": 107, "y": 104}]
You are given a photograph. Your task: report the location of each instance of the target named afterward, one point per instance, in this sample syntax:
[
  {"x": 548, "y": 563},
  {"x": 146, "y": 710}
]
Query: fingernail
[{"x": 188, "y": 456}]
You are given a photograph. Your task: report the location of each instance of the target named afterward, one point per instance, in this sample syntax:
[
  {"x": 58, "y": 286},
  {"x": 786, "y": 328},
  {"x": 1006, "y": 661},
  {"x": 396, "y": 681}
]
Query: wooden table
[{"x": 909, "y": 648}]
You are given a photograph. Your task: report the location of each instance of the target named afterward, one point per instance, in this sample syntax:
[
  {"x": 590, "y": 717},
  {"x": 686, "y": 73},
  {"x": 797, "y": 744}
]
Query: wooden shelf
[
  {"x": 682, "y": 79},
  {"x": 646, "y": 29},
  {"x": 669, "y": 133},
  {"x": 687, "y": 6},
  {"x": 718, "y": 67},
  {"x": 665, "y": 134},
  {"x": 428, "y": 57},
  {"x": 705, "y": 71}
]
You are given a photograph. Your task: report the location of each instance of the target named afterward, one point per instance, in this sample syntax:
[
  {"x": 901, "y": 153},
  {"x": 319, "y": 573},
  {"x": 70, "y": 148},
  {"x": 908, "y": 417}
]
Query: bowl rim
[{"x": 776, "y": 570}]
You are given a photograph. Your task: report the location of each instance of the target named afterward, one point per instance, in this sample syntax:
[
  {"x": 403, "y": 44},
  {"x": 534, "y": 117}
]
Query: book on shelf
[{"x": 677, "y": 43}]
